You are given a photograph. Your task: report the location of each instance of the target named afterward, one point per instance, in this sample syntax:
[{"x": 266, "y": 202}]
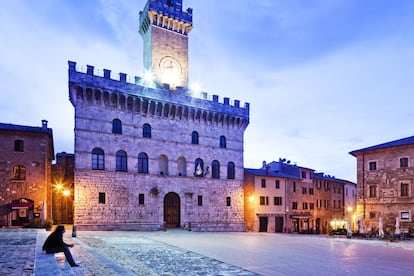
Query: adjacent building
[
  {"x": 149, "y": 153},
  {"x": 385, "y": 174},
  {"x": 282, "y": 197},
  {"x": 26, "y": 154}
]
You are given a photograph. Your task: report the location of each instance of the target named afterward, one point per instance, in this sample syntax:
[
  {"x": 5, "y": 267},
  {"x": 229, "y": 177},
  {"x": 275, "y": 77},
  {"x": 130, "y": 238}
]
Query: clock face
[{"x": 170, "y": 70}]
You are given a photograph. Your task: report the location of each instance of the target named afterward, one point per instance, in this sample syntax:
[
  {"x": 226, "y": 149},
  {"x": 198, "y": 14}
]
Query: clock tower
[{"x": 164, "y": 27}]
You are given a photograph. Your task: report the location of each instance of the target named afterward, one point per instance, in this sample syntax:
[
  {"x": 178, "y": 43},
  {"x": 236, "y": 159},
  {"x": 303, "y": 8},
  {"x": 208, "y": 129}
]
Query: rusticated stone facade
[
  {"x": 385, "y": 176},
  {"x": 207, "y": 197}
]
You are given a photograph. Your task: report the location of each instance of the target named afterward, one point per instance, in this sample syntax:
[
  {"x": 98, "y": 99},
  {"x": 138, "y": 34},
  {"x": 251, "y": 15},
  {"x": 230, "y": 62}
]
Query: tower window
[
  {"x": 215, "y": 167},
  {"x": 121, "y": 161},
  {"x": 200, "y": 200},
  {"x": 18, "y": 145},
  {"x": 98, "y": 159},
  {"x": 102, "y": 198},
  {"x": 198, "y": 167},
  {"x": 228, "y": 201},
  {"x": 117, "y": 126},
  {"x": 142, "y": 163},
  {"x": 146, "y": 131},
  {"x": 230, "y": 170},
  {"x": 194, "y": 138},
  {"x": 141, "y": 199},
  {"x": 223, "y": 142}
]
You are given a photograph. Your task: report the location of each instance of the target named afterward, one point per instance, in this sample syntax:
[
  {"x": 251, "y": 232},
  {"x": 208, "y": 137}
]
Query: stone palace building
[{"x": 149, "y": 154}]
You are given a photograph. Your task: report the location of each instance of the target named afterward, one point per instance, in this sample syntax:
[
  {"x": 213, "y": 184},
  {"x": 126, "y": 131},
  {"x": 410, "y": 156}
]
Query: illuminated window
[
  {"x": 19, "y": 172},
  {"x": 405, "y": 215}
]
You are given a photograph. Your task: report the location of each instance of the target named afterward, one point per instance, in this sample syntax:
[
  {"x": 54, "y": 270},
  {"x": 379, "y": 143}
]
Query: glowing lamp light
[
  {"x": 66, "y": 192},
  {"x": 148, "y": 78},
  {"x": 251, "y": 198},
  {"x": 59, "y": 186},
  {"x": 195, "y": 89}
]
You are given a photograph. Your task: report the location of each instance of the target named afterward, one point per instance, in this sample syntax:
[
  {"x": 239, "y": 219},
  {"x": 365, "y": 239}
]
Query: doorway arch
[{"x": 172, "y": 210}]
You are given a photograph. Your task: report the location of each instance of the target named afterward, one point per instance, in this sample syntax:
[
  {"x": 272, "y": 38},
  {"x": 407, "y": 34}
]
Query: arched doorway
[{"x": 172, "y": 210}]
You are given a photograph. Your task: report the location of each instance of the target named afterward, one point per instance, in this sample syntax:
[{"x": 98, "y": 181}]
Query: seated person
[{"x": 54, "y": 244}]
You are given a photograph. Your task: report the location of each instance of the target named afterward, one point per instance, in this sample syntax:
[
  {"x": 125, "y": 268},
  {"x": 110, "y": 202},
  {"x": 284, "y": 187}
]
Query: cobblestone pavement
[{"x": 17, "y": 251}]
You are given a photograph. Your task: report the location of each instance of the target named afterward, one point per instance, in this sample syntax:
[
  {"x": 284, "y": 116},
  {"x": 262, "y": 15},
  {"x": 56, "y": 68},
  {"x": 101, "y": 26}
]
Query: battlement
[
  {"x": 166, "y": 14},
  {"x": 138, "y": 84}
]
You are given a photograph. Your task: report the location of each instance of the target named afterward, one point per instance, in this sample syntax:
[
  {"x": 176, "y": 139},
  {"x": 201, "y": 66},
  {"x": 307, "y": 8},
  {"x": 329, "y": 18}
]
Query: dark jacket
[{"x": 55, "y": 240}]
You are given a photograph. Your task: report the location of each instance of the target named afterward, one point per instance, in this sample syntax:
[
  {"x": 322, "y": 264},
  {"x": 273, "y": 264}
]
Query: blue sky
[{"x": 323, "y": 77}]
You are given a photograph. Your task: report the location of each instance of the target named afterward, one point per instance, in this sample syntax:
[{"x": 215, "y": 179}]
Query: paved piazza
[{"x": 179, "y": 252}]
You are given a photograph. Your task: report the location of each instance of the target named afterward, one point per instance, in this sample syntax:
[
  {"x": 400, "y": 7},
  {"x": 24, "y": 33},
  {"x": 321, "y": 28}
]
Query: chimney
[{"x": 44, "y": 124}]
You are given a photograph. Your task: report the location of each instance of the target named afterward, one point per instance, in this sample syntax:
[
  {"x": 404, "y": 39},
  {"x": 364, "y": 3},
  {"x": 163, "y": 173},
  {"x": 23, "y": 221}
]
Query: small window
[
  {"x": 304, "y": 191},
  {"x": 405, "y": 215},
  {"x": 146, "y": 131},
  {"x": 263, "y": 183},
  {"x": 19, "y": 145},
  {"x": 277, "y": 200},
  {"x": 404, "y": 190},
  {"x": 264, "y": 200},
  {"x": 19, "y": 172},
  {"x": 228, "y": 201},
  {"x": 98, "y": 159},
  {"x": 223, "y": 142},
  {"x": 200, "y": 200},
  {"x": 294, "y": 205},
  {"x": 231, "y": 174},
  {"x": 311, "y": 191},
  {"x": 199, "y": 167},
  {"x": 102, "y": 198},
  {"x": 373, "y": 166},
  {"x": 215, "y": 168},
  {"x": 277, "y": 184},
  {"x": 141, "y": 199},
  {"x": 117, "y": 126},
  {"x": 121, "y": 161},
  {"x": 305, "y": 205},
  {"x": 312, "y": 206},
  {"x": 404, "y": 162},
  {"x": 372, "y": 215},
  {"x": 142, "y": 163},
  {"x": 194, "y": 138},
  {"x": 303, "y": 174},
  {"x": 294, "y": 186}
]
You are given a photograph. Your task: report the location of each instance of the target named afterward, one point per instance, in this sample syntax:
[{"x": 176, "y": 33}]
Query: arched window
[
  {"x": 121, "y": 161},
  {"x": 223, "y": 141},
  {"x": 163, "y": 164},
  {"x": 215, "y": 169},
  {"x": 18, "y": 145},
  {"x": 19, "y": 172},
  {"x": 199, "y": 167},
  {"x": 181, "y": 166},
  {"x": 194, "y": 138},
  {"x": 98, "y": 159},
  {"x": 117, "y": 126},
  {"x": 142, "y": 163},
  {"x": 146, "y": 131},
  {"x": 231, "y": 170}
]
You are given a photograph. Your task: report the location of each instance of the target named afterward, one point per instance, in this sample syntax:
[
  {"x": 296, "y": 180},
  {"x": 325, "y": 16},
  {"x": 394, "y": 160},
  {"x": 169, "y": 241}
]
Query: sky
[{"x": 323, "y": 77}]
